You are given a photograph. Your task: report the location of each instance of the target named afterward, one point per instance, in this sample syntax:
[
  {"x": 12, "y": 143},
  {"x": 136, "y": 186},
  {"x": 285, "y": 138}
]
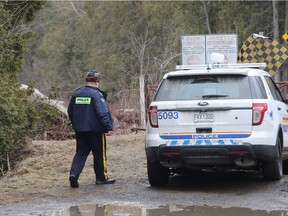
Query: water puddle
[{"x": 128, "y": 210}]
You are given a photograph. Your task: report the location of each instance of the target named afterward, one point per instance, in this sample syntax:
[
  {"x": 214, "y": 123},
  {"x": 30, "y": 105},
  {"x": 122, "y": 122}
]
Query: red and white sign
[{"x": 196, "y": 49}]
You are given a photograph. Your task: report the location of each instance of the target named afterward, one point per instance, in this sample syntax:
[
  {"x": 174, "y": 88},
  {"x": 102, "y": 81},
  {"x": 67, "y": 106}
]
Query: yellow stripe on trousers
[{"x": 104, "y": 156}]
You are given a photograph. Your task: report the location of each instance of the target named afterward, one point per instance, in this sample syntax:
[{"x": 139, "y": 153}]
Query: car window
[
  {"x": 274, "y": 89},
  {"x": 204, "y": 87},
  {"x": 257, "y": 88}
]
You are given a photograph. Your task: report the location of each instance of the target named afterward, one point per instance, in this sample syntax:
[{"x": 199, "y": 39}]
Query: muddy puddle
[{"x": 128, "y": 210}]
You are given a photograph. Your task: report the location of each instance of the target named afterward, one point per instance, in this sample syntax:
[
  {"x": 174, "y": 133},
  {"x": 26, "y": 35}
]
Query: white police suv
[{"x": 231, "y": 117}]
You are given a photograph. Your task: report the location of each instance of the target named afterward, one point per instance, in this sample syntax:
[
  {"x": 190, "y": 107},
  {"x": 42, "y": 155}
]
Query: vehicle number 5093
[{"x": 168, "y": 115}]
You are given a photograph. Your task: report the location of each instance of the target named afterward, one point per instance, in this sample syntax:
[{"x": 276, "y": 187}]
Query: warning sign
[
  {"x": 196, "y": 49},
  {"x": 285, "y": 36},
  {"x": 193, "y": 50}
]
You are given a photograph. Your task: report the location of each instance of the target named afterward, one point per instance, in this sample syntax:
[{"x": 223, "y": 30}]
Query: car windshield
[{"x": 204, "y": 87}]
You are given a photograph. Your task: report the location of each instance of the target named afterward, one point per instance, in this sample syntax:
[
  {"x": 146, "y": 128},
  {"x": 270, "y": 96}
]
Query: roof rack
[{"x": 212, "y": 66}]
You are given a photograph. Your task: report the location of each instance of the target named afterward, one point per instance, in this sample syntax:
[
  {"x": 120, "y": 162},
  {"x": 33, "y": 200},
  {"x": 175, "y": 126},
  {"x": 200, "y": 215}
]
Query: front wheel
[
  {"x": 273, "y": 170},
  {"x": 157, "y": 174}
]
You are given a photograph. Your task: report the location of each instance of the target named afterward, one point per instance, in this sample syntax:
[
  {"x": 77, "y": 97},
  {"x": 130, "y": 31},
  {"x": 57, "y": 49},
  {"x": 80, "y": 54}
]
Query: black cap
[{"x": 93, "y": 76}]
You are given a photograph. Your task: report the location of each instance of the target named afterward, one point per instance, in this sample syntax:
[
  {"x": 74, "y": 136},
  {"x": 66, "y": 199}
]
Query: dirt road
[{"x": 40, "y": 182}]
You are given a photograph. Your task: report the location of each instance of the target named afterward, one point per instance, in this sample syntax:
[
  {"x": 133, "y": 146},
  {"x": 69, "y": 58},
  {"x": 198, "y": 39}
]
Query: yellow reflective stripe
[
  {"x": 105, "y": 210},
  {"x": 104, "y": 156}
]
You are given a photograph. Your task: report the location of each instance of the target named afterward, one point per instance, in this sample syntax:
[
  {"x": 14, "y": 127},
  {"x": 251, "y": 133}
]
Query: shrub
[{"x": 20, "y": 120}]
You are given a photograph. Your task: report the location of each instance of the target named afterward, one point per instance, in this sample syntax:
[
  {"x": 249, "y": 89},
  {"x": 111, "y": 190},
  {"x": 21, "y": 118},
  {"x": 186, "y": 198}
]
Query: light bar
[
  {"x": 210, "y": 66},
  {"x": 192, "y": 67},
  {"x": 242, "y": 65}
]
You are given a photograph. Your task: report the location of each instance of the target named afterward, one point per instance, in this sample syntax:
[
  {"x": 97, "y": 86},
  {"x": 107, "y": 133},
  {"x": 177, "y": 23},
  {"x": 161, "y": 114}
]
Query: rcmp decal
[
  {"x": 285, "y": 120},
  {"x": 285, "y": 124},
  {"x": 271, "y": 115}
]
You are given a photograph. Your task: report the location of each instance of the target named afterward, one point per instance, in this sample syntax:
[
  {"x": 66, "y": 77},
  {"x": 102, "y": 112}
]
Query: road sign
[{"x": 285, "y": 36}]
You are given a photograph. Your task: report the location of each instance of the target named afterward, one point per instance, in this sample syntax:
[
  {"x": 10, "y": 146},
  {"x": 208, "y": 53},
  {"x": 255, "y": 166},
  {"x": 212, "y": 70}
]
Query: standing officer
[{"x": 91, "y": 118}]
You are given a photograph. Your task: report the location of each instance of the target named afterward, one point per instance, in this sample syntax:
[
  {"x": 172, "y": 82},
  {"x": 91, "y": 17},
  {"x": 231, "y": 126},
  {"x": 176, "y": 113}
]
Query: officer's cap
[{"x": 93, "y": 76}]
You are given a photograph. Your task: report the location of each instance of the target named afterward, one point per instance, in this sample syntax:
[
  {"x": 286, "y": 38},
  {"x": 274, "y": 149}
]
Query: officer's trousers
[{"x": 85, "y": 143}]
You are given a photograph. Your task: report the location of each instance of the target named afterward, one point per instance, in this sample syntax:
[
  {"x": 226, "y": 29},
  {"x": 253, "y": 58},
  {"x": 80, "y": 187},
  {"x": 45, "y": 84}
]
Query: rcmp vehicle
[{"x": 218, "y": 116}]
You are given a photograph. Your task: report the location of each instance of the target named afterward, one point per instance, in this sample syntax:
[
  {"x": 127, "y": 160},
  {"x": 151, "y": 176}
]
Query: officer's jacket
[{"x": 89, "y": 111}]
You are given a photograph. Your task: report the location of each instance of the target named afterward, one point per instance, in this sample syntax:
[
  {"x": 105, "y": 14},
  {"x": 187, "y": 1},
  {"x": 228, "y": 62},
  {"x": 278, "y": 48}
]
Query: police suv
[{"x": 218, "y": 116}]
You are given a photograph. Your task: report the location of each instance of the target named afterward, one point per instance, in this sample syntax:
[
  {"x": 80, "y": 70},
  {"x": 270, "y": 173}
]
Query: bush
[{"x": 21, "y": 119}]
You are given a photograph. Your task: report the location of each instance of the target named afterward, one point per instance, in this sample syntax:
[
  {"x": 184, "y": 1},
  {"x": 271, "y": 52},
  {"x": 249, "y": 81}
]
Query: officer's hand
[{"x": 109, "y": 133}]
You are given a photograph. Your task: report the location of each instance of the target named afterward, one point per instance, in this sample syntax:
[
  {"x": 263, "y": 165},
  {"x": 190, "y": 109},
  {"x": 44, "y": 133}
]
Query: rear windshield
[{"x": 206, "y": 87}]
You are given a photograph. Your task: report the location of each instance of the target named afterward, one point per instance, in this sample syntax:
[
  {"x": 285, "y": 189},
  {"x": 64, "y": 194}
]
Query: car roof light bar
[
  {"x": 243, "y": 65},
  {"x": 191, "y": 67},
  {"x": 210, "y": 66}
]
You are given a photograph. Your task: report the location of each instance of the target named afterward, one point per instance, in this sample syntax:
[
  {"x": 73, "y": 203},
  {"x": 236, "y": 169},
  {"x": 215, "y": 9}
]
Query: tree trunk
[
  {"x": 8, "y": 161},
  {"x": 277, "y": 76},
  {"x": 207, "y": 17},
  {"x": 285, "y": 64},
  {"x": 142, "y": 84},
  {"x": 286, "y": 17}
]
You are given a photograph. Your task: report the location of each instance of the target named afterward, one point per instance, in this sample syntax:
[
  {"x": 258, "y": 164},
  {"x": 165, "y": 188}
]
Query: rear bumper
[{"x": 186, "y": 156}]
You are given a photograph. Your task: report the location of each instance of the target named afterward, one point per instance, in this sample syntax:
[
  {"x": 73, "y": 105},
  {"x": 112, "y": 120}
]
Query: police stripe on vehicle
[
  {"x": 205, "y": 136},
  {"x": 203, "y": 142}
]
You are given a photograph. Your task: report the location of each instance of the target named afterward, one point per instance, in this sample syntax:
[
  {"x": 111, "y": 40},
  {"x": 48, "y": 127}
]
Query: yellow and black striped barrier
[{"x": 258, "y": 48}]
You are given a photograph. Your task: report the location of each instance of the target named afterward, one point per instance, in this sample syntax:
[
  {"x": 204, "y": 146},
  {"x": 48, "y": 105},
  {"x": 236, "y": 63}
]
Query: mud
[
  {"x": 130, "y": 210},
  {"x": 40, "y": 185}
]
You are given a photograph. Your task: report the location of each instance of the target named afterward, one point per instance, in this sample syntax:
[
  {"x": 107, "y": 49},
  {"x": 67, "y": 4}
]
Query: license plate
[{"x": 203, "y": 117}]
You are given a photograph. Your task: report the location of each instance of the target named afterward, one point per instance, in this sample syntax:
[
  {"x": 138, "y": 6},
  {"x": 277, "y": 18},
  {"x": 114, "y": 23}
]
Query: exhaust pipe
[{"x": 245, "y": 162}]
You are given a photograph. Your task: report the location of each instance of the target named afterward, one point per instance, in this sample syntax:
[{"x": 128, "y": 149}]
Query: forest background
[
  {"x": 51, "y": 45},
  {"x": 125, "y": 39}
]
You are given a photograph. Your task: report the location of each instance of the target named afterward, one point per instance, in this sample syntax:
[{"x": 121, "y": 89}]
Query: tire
[
  {"x": 157, "y": 174},
  {"x": 285, "y": 167},
  {"x": 273, "y": 170}
]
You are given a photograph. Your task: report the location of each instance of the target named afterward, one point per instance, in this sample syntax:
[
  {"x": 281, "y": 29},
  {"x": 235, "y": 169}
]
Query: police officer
[{"x": 91, "y": 118}]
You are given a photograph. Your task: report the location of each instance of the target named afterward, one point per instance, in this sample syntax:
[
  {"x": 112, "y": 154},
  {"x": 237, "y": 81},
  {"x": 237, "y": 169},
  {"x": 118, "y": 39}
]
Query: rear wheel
[
  {"x": 157, "y": 174},
  {"x": 273, "y": 170},
  {"x": 285, "y": 167}
]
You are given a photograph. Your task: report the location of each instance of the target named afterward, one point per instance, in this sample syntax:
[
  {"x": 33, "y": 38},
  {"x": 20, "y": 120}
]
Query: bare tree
[
  {"x": 154, "y": 68},
  {"x": 140, "y": 45},
  {"x": 207, "y": 17},
  {"x": 277, "y": 76},
  {"x": 286, "y": 17},
  {"x": 285, "y": 64}
]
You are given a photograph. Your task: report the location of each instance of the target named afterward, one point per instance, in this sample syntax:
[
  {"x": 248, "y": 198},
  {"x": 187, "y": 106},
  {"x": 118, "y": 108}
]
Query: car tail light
[
  {"x": 237, "y": 152},
  {"x": 170, "y": 153},
  {"x": 153, "y": 116},
  {"x": 258, "y": 113}
]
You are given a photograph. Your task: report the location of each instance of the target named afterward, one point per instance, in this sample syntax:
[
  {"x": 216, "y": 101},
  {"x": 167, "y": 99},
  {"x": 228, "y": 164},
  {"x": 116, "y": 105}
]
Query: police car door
[{"x": 282, "y": 108}]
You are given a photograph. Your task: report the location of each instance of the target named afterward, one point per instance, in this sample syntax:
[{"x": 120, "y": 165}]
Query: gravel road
[{"x": 40, "y": 183}]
